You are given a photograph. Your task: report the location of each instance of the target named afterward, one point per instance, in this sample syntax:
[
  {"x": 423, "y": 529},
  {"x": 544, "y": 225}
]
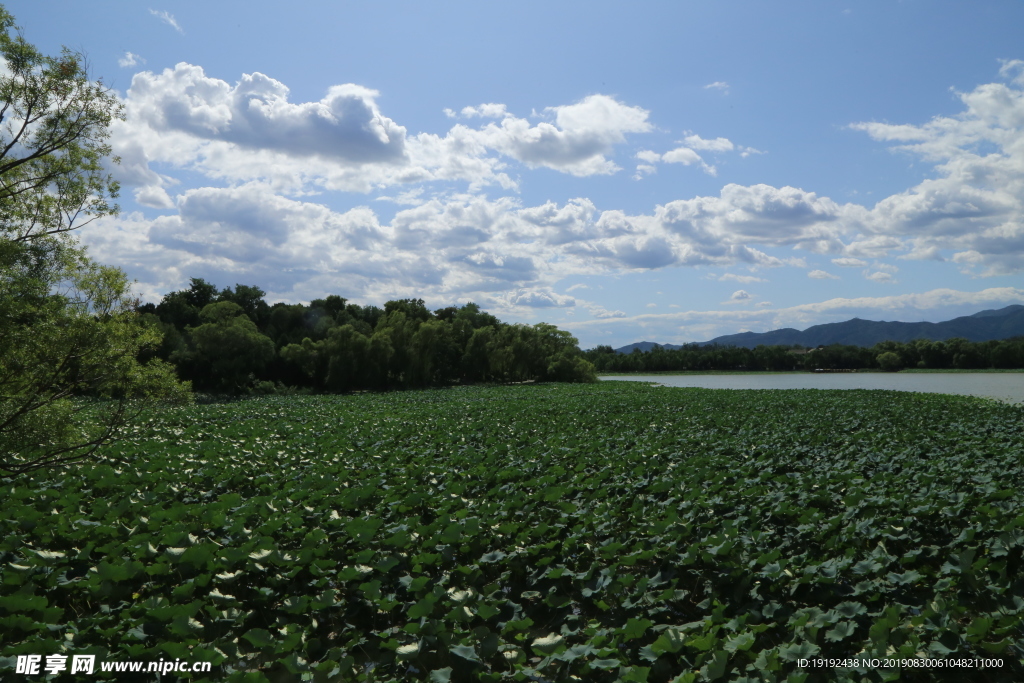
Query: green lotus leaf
[
  {"x": 548, "y": 644},
  {"x": 441, "y": 675},
  {"x": 259, "y": 637}
]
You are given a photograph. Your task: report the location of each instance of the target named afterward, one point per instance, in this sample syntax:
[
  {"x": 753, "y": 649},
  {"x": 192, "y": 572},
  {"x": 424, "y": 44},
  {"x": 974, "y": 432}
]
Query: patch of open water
[{"x": 1008, "y": 386}]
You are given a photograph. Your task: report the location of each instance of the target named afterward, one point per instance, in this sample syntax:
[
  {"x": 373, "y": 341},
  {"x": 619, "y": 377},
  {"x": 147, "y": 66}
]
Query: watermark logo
[
  {"x": 33, "y": 665},
  {"x": 55, "y": 664}
]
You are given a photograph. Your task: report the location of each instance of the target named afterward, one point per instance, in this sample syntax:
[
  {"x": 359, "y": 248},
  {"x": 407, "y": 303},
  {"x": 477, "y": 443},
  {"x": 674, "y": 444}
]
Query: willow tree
[{"x": 69, "y": 334}]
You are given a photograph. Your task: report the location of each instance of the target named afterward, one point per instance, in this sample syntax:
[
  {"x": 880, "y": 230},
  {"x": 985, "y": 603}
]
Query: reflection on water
[{"x": 1008, "y": 386}]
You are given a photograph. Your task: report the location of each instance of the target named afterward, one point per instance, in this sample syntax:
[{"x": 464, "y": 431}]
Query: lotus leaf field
[{"x": 610, "y": 532}]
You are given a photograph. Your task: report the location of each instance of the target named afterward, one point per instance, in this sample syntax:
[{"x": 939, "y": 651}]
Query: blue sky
[{"x": 663, "y": 171}]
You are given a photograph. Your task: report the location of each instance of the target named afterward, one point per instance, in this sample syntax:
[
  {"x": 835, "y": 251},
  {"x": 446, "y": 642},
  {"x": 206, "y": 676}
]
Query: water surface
[{"x": 1005, "y": 386}]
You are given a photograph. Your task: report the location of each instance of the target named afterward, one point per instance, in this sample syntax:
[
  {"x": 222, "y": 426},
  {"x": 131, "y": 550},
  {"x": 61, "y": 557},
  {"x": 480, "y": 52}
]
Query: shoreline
[{"x": 915, "y": 371}]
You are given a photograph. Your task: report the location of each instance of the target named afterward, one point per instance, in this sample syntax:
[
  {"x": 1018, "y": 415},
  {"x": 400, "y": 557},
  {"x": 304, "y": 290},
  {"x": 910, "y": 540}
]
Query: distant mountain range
[{"x": 982, "y": 326}]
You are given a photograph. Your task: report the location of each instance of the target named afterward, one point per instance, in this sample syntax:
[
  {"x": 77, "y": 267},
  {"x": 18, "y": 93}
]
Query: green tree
[
  {"x": 889, "y": 361},
  {"x": 227, "y": 348},
  {"x": 68, "y": 326},
  {"x": 69, "y": 332},
  {"x": 250, "y": 299},
  {"x": 181, "y": 309}
]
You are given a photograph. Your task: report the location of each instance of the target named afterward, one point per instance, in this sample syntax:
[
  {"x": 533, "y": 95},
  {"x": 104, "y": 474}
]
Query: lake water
[{"x": 1008, "y": 386}]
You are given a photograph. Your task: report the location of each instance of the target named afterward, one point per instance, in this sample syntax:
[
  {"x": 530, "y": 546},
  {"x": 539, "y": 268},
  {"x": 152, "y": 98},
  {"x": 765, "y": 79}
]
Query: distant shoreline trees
[
  {"x": 950, "y": 354},
  {"x": 231, "y": 341}
]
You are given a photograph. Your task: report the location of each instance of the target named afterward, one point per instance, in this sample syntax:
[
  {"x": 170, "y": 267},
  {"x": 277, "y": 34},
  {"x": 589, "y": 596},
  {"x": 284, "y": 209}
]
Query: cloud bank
[{"x": 264, "y": 162}]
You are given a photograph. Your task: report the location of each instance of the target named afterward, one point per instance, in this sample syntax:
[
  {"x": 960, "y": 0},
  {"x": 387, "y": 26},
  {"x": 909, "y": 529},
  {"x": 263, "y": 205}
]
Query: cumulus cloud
[
  {"x": 572, "y": 222},
  {"x": 822, "y": 275},
  {"x": 463, "y": 245},
  {"x": 460, "y": 245},
  {"x": 539, "y": 298},
  {"x": 687, "y": 154},
  {"x": 130, "y": 59},
  {"x": 880, "y": 276},
  {"x": 716, "y": 145},
  {"x": 718, "y": 85},
  {"x": 643, "y": 170},
  {"x": 268, "y": 154},
  {"x": 181, "y": 118},
  {"x": 740, "y": 295},
  {"x": 487, "y": 111},
  {"x": 413, "y": 197},
  {"x": 575, "y": 141},
  {"x": 602, "y": 313},
  {"x": 154, "y": 196},
  {"x": 681, "y": 155},
  {"x": 251, "y": 131},
  {"x": 648, "y": 156},
  {"x": 758, "y": 214},
  {"x": 974, "y": 206},
  {"x": 255, "y": 113}
]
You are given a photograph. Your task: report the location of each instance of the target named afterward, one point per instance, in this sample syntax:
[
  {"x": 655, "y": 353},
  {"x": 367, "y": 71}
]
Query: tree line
[
  {"x": 231, "y": 341},
  {"x": 954, "y": 353},
  {"x": 80, "y": 358}
]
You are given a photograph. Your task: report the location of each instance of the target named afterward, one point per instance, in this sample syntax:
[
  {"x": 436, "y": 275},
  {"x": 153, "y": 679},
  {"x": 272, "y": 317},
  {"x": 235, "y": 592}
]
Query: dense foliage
[
  {"x": 889, "y": 355},
  {"x": 67, "y": 324},
  {"x": 232, "y": 341},
  {"x": 538, "y": 532},
  {"x": 68, "y": 330}
]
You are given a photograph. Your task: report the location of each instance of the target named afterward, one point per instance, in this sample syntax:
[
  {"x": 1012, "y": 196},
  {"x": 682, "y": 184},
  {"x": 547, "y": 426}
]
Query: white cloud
[
  {"x": 822, "y": 275},
  {"x": 740, "y": 295},
  {"x": 154, "y": 196},
  {"x": 648, "y": 156},
  {"x": 880, "y": 276},
  {"x": 697, "y": 325},
  {"x": 252, "y": 132},
  {"x": 602, "y": 313},
  {"x": 681, "y": 155},
  {"x": 716, "y": 145},
  {"x": 974, "y": 206},
  {"x": 455, "y": 246},
  {"x": 487, "y": 111},
  {"x": 577, "y": 141},
  {"x": 718, "y": 85},
  {"x": 569, "y": 223},
  {"x": 130, "y": 59},
  {"x": 269, "y": 155},
  {"x": 413, "y": 197},
  {"x": 687, "y": 154},
  {"x": 255, "y": 113},
  {"x": 758, "y": 214},
  {"x": 1013, "y": 70},
  {"x": 168, "y": 19},
  {"x": 741, "y": 278},
  {"x": 539, "y": 298},
  {"x": 643, "y": 170}
]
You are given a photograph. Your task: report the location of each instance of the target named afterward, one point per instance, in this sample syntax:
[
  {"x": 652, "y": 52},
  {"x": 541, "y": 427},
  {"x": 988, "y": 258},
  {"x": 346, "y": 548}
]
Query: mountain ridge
[{"x": 986, "y": 325}]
